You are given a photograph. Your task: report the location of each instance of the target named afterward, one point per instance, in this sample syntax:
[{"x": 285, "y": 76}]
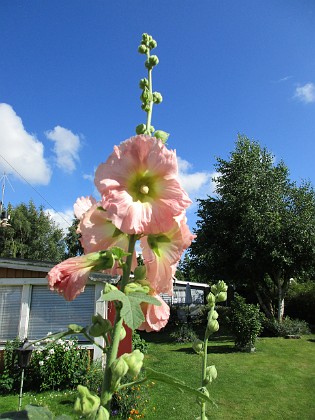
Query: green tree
[
  {"x": 72, "y": 240},
  {"x": 259, "y": 230},
  {"x": 32, "y": 234}
]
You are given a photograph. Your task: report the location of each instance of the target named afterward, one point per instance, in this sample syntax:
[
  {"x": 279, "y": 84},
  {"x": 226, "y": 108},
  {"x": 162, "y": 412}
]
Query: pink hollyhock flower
[
  {"x": 162, "y": 252},
  {"x": 70, "y": 276},
  {"x": 82, "y": 205},
  {"x": 156, "y": 317},
  {"x": 140, "y": 187},
  {"x": 98, "y": 233}
]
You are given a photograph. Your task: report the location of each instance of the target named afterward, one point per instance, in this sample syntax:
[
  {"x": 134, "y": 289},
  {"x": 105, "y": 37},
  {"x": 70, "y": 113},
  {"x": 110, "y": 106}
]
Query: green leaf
[
  {"x": 131, "y": 311},
  {"x": 176, "y": 383},
  {"x": 142, "y": 297},
  {"x": 114, "y": 295}
]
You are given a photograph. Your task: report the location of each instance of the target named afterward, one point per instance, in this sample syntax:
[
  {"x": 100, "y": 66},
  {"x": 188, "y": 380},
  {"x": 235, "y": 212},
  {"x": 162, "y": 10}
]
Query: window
[
  {"x": 10, "y": 305},
  {"x": 50, "y": 312}
]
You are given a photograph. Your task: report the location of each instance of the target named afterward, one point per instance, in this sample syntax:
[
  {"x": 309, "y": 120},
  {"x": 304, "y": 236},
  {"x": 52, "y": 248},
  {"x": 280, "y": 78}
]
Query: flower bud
[
  {"x": 215, "y": 315},
  {"x": 198, "y": 346},
  {"x": 122, "y": 333},
  {"x": 222, "y": 286},
  {"x": 152, "y": 44},
  {"x": 212, "y": 326},
  {"x": 144, "y": 83},
  {"x": 140, "y": 272},
  {"x": 152, "y": 129},
  {"x": 105, "y": 261},
  {"x": 211, "y": 374},
  {"x": 86, "y": 403},
  {"x": 214, "y": 289},
  {"x": 145, "y": 107},
  {"x": 154, "y": 60},
  {"x": 157, "y": 97},
  {"x": 142, "y": 49},
  {"x": 162, "y": 135},
  {"x": 119, "y": 369},
  {"x": 102, "y": 414},
  {"x": 141, "y": 128},
  {"x": 134, "y": 361},
  {"x": 100, "y": 326},
  {"x": 221, "y": 297},
  {"x": 211, "y": 299}
]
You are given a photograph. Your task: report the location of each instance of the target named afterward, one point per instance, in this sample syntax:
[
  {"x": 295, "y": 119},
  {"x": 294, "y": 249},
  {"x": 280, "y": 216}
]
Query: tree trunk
[{"x": 268, "y": 311}]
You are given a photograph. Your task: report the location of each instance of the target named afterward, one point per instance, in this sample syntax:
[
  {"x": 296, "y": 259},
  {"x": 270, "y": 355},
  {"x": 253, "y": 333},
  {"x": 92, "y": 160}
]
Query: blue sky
[{"x": 69, "y": 74}]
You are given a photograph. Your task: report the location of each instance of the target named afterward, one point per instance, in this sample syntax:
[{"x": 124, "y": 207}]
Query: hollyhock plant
[
  {"x": 162, "y": 253},
  {"x": 141, "y": 198},
  {"x": 156, "y": 317},
  {"x": 70, "y": 276},
  {"x": 140, "y": 187}
]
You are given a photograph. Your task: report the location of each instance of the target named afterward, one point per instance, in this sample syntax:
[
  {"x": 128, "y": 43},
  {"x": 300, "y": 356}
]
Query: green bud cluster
[
  {"x": 147, "y": 97},
  {"x": 147, "y": 44},
  {"x": 140, "y": 272},
  {"x": 128, "y": 364},
  {"x": 218, "y": 294}
]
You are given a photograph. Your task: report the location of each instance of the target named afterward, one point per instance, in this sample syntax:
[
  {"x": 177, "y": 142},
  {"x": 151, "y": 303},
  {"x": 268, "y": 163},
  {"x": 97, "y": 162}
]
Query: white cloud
[
  {"x": 305, "y": 93},
  {"x": 198, "y": 184},
  {"x": 21, "y": 152},
  {"x": 66, "y": 147},
  {"x": 63, "y": 219}
]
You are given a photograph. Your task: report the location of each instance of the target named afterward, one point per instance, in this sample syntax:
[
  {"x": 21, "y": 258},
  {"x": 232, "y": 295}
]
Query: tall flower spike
[{"x": 140, "y": 188}]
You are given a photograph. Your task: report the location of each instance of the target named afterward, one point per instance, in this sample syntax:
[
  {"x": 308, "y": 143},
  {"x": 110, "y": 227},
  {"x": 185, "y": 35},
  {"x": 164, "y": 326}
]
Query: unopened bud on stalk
[
  {"x": 100, "y": 326},
  {"x": 221, "y": 297},
  {"x": 161, "y": 135},
  {"x": 102, "y": 414},
  {"x": 141, "y": 128},
  {"x": 211, "y": 374},
  {"x": 157, "y": 97},
  {"x": 134, "y": 361},
  {"x": 119, "y": 369},
  {"x": 198, "y": 346},
  {"x": 144, "y": 83},
  {"x": 215, "y": 315},
  {"x": 140, "y": 272},
  {"x": 211, "y": 299},
  {"x": 86, "y": 403},
  {"x": 122, "y": 333},
  {"x": 142, "y": 49}
]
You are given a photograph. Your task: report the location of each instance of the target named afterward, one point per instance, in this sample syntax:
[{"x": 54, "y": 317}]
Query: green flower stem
[
  {"x": 149, "y": 113},
  {"x": 204, "y": 367},
  {"x": 106, "y": 395}
]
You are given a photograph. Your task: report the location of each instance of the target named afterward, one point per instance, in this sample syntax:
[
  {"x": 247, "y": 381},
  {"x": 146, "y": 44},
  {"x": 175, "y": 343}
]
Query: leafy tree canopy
[
  {"x": 259, "y": 229},
  {"x": 32, "y": 234}
]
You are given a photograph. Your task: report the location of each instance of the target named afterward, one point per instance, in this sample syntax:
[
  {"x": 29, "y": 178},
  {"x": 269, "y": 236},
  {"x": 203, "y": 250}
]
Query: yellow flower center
[{"x": 144, "y": 189}]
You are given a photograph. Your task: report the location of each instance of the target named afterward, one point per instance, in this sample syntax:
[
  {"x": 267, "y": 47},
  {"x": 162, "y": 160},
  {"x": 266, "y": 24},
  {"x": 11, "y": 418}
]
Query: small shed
[
  {"x": 199, "y": 292},
  {"x": 29, "y": 309}
]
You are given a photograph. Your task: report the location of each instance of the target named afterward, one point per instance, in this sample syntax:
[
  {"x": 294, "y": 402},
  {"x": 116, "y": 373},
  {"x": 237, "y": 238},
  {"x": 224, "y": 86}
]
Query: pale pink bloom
[
  {"x": 140, "y": 187},
  {"x": 156, "y": 317},
  {"x": 70, "y": 276},
  {"x": 161, "y": 254},
  {"x": 99, "y": 234},
  {"x": 82, "y": 205}
]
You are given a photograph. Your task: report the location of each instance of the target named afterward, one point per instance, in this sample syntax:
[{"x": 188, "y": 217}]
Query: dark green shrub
[
  {"x": 58, "y": 365},
  {"x": 245, "y": 322},
  {"x": 184, "y": 333},
  {"x": 11, "y": 376},
  {"x": 139, "y": 343},
  {"x": 93, "y": 377},
  {"x": 300, "y": 301},
  {"x": 287, "y": 326}
]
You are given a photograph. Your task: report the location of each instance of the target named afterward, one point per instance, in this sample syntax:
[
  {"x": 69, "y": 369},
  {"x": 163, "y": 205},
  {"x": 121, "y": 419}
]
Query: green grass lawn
[{"x": 275, "y": 382}]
